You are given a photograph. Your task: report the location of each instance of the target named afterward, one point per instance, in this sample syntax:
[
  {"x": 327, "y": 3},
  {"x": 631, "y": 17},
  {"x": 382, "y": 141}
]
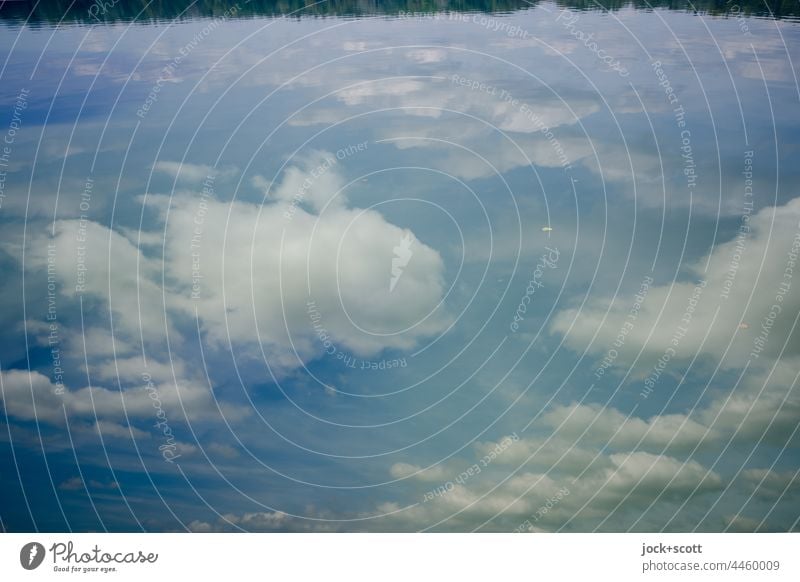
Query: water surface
[{"x": 354, "y": 266}]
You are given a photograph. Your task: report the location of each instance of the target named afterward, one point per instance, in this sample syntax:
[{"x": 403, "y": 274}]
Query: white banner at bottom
[{"x": 400, "y": 557}]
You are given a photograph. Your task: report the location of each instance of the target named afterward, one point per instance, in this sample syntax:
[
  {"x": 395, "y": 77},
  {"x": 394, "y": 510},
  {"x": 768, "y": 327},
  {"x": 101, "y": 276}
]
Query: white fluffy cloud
[
  {"x": 262, "y": 265},
  {"x": 186, "y": 172},
  {"x": 771, "y": 484},
  {"x": 543, "y": 496},
  {"x": 758, "y": 267},
  {"x": 525, "y": 119},
  {"x": 265, "y": 521},
  {"x": 609, "y": 426},
  {"x": 250, "y": 272},
  {"x": 32, "y": 396}
]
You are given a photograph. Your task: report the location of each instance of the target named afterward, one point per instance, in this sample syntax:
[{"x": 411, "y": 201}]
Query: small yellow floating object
[
  {"x": 743, "y": 326},
  {"x": 546, "y": 229}
]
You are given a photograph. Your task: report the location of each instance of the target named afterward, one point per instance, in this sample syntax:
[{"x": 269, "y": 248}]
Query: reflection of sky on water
[{"x": 474, "y": 175}]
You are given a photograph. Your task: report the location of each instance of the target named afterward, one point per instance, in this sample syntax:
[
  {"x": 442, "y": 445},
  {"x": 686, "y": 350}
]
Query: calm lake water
[{"x": 364, "y": 266}]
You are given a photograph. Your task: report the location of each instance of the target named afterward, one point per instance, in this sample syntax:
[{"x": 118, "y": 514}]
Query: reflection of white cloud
[
  {"x": 32, "y": 396},
  {"x": 529, "y": 114},
  {"x": 342, "y": 255},
  {"x": 544, "y": 113},
  {"x": 190, "y": 172},
  {"x": 354, "y": 46},
  {"x": 85, "y": 69},
  {"x": 109, "y": 429},
  {"x": 502, "y": 153},
  {"x": 225, "y": 234},
  {"x": 773, "y": 70},
  {"x": 608, "y": 425},
  {"x": 259, "y": 262},
  {"x": 123, "y": 282},
  {"x": 651, "y": 475},
  {"x": 72, "y": 484},
  {"x": 764, "y": 406},
  {"x": 406, "y": 470},
  {"x": 757, "y": 56},
  {"x": 99, "y": 342},
  {"x": 740, "y": 523},
  {"x": 313, "y": 180},
  {"x": 771, "y": 484},
  {"x": 427, "y": 55},
  {"x": 758, "y": 272},
  {"x": 618, "y": 163},
  {"x": 505, "y": 502},
  {"x": 607, "y": 461},
  {"x": 391, "y": 87},
  {"x": 317, "y": 117},
  {"x": 130, "y": 369},
  {"x": 528, "y": 120},
  {"x": 225, "y": 451},
  {"x": 263, "y": 521}
]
